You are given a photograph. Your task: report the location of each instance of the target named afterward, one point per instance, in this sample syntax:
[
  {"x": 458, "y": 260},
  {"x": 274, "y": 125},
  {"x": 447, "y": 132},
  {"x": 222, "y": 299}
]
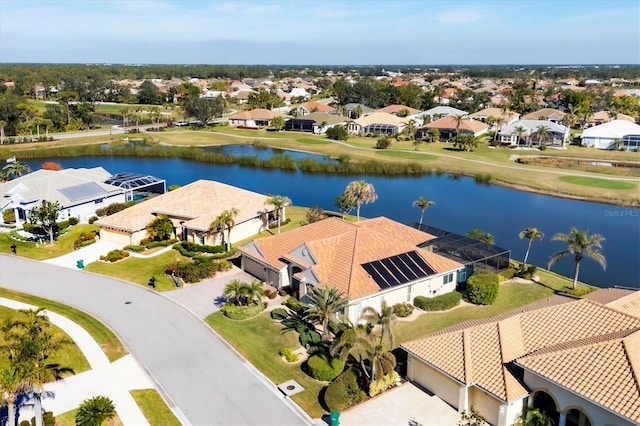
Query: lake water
[{"x": 461, "y": 205}]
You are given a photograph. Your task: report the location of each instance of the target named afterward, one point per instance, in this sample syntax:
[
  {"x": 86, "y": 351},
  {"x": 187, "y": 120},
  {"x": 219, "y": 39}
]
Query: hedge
[
  {"x": 324, "y": 367},
  {"x": 295, "y": 305},
  {"x": 135, "y": 248},
  {"x": 234, "y": 312},
  {"x": 193, "y": 272},
  {"x": 343, "y": 392},
  {"x": 165, "y": 243},
  {"x": 482, "y": 287},
  {"x": 115, "y": 255},
  {"x": 84, "y": 239},
  {"x": 402, "y": 310},
  {"x": 438, "y": 303},
  {"x": 383, "y": 383}
]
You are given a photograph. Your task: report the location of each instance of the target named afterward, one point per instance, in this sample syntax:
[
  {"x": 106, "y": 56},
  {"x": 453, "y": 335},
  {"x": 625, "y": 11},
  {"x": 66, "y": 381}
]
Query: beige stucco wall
[
  {"x": 429, "y": 378},
  {"x": 486, "y": 405},
  {"x": 115, "y": 236}
]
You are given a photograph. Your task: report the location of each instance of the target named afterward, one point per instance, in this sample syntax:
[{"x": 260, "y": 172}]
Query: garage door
[
  {"x": 254, "y": 268},
  {"x": 120, "y": 238}
]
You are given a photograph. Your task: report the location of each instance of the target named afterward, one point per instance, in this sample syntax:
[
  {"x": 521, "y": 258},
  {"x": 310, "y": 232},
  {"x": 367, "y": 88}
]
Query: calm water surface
[{"x": 461, "y": 205}]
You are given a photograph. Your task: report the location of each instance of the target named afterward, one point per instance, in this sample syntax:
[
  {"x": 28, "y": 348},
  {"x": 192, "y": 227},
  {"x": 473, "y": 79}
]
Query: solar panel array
[{"x": 397, "y": 270}]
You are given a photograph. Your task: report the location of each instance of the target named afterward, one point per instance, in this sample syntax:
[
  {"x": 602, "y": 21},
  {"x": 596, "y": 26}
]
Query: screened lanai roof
[
  {"x": 464, "y": 249},
  {"x": 135, "y": 181}
]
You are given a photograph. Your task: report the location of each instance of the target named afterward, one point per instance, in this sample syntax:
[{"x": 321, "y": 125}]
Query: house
[
  {"x": 315, "y": 122},
  {"x": 80, "y": 193},
  {"x": 192, "y": 208},
  {"x": 377, "y": 122},
  {"x": 548, "y": 114},
  {"x": 601, "y": 117},
  {"x": 605, "y": 136},
  {"x": 443, "y": 111},
  {"x": 497, "y": 114},
  {"x": 449, "y": 128},
  {"x": 300, "y": 92},
  {"x": 354, "y": 110},
  {"x": 576, "y": 360},
  {"x": 526, "y": 131},
  {"x": 370, "y": 261},
  {"x": 242, "y": 96},
  {"x": 400, "y": 110},
  {"x": 314, "y": 106},
  {"x": 255, "y": 118}
]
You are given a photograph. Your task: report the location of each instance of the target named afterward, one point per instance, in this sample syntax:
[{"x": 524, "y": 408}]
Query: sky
[{"x": 330, "y": 32}]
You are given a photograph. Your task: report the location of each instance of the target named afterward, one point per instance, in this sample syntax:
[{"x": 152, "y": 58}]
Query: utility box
[
  {"x": 80, "y": 264},
  {"x": 335, "y": 418}
]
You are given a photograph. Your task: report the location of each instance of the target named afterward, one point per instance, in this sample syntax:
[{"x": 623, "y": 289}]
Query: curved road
[{"x": 205, "y": 379}]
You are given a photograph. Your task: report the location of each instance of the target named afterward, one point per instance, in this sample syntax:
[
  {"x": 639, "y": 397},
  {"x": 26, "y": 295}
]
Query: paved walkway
[{"x": 113, "y": 380}]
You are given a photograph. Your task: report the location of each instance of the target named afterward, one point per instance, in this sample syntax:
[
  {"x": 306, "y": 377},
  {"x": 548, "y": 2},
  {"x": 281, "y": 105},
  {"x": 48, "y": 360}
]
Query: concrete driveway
[
  {"x": 402, "y": 406},
  {"x": 87, "y": 254},
  {"x": 206, "y": 297}
]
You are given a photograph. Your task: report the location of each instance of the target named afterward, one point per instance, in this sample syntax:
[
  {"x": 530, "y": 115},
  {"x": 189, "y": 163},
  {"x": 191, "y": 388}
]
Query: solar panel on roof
[
  {"x": 377, "y": 278},
  {"x": 403, "y": 262},
  {"x": 389, "y": 278},
  {"x": 398, "y": 275},
  {"x": 398, "y": 270},
  {"x": 84, "y": 190},
  {"x": 421, "y": 263}
]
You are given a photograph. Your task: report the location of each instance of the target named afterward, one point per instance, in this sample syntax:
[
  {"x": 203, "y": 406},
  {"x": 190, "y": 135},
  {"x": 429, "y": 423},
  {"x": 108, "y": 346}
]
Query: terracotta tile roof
[
  {"x": 394, "y": 109},
  {"x": 340, "y": 248},
  {"x": 607, "y": 295},
  {"x": 319, "y": 106},
  {"x": 256, "y": 114},
  {"x": 449, "y": 123},
  {"x": 545, "y": 114},
  {"x": 590, "y": 348},
  {"x": 495, "y": 113},
  {"x": 381, "y": 118},
  {"x": 198, "y": 203}
]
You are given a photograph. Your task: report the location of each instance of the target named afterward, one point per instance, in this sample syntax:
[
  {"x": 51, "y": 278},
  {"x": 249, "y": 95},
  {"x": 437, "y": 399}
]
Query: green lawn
[
  {"x": 597, "y": 182},
  {"x": 100, "y": 333},
  {"x": 154, "y": 408},
  {"x": 31, "y": 250},
  {"x": 313, "y": 141},
  {"x": 408, "y": 155},
  {"x": 260, "y": 340},
  {"x": 70, "y": 356}
]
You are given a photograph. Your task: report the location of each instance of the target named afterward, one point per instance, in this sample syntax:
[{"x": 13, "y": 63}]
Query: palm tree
[
  {"x": 382, "y": 363},
  {"x": 279, "y": 202},
  {"x": 520, "y": 130},
  {"x": 17, "y": 169},
  {"x": 3, "y": 124},
  {"x": 360, "y": 192},
  {"x": 95, "y": 411},
  {"x": 225, "y": 221},
  {"x": 480, "y": 235},
  {"x": 325, "y": 303},
  {"x": 410, "y": 130},
  {"x": 125, "y": 112},
  {"x": 422, "y": 203},
  {"x": 459, "y": 119},
  {"x": 579, "y": 244},
  {"x": 531, "y": 234},
  {"x": 384, "y": 320},
  {"x": 12, "y": 384},
  {"x": 542, "y": 132},
  {"x": 235, "y": 290},
  {"x": 253, "y": 291},
  {"x": 354, "y": 344}
]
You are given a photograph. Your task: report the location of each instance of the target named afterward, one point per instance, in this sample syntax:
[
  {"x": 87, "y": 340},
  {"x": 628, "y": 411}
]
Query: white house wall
[
  {"x": 601, "y": 143},
  {"x": 567, "y": 400},
  {"x": 487, "y": 406}
]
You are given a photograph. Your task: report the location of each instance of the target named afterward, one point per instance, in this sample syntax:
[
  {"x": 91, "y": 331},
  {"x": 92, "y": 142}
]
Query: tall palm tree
[
  {"x": 459, "y": 119},
  {"x": 279, "y": 202},
  {"x": 354, "y": 344},
  {"x": 95, "y": 411},
  {"x": 3, "y": 124},
  {"x": 579, "y": 244},
  {"x": 360, "y": 192},
  {"x": 17, "y": 169},
  {"x": 531, "y": 234},
  {"x": 480, "y": 235},
  {"x": 225, "y": 221},
  {"x": 325, "y": 303},
  {"x": 384, "y": 321},
  {"x": 542, "y": 133},
  {"x": 520, "y": 130},
  {"x": 12, "y": 383},
  {"x": 125, "y": 112},
  {"x": 253, "y": 291},
  {"x": 422, "y": 203},
  {"x": 410, "y": 130}
]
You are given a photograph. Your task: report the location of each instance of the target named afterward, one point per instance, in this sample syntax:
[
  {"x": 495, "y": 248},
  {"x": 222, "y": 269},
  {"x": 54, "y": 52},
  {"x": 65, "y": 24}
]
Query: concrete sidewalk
[{"x": 113, "y": 380}]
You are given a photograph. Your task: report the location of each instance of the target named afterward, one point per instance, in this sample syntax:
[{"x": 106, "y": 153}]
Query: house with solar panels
[{"x": 370, "y": 261}]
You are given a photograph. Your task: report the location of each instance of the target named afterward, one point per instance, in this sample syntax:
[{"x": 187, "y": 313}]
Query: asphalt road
[{"x": 198, "y": 372}]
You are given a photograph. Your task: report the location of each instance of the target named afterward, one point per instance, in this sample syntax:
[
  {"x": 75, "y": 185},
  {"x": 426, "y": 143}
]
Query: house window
[
  {"x": 448, "y": 278},
  {"x": 409, "y": 294}
]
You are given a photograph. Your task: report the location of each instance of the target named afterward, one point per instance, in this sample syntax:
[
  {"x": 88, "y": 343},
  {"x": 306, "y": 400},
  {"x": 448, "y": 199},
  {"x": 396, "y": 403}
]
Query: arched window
[
  {"x": 546, "y": 405},
  {"x": 576, "y": 417}
]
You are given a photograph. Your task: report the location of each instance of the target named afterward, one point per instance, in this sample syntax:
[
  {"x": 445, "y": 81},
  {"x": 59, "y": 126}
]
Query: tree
[
  {"x": 277, "y": 123},
  {"x": 3, "y": 124},
  {"x": 531, "y": 234},
  {"x": 520, "y": 130},
  {"x": 325, "y": 304},
  {"x": 279, "y": 202},
  {"x": 466, "y": 142},
  {"x": 338, "y": 133},
  {"x": 354, "y": 344},
  {"x": 95, "y": 411},
  {"x": 204, "y": 109},
  {"x": 253, "y": 291},
  {"x": 416, "y": 143},
  {"x": 360, "y": 192},
  {"x": 235, "y": 290},
  {"x": 267, "y": 99},
  {"x": 12, "y": 383},
  {"x": 480, "y": 235},
  {"x": 67, "y": 97},
  {"x": 542, "y": 133},
  {"x": 148, "y": 93},
  {"x": 579, "y": 244},
  {"x": 345, "y": 204},
  {"x": 422, "y": 203},
  {"x": 46, "y": 215},
  {"x": 433, "y": 135},
  {"x": 459, "y": 119},
  {"x": 315, "y": 214},
  {"x": 382, "y": 320},
  {"x": 160, "y": 228},
  {"x": 225, "y": 221},
  {"x": 17, "y": 169},
  {"x": 410, "y": 129},
  {"x": 125, "y": 113}
]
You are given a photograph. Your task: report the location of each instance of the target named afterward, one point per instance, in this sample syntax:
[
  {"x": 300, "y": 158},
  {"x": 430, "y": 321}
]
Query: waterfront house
[
  {"x": 370, "y": 261},
  {"x": 605, "y": 136},
  {"x": 497, "y": 114},
  {"x": 576, "y": 360},
  {"x": 449, "y": 128},
  {"x": 315, "y": 122},
  {"x": 524, "y": 132},
  {"x": 377, "y": 122},
  {"x": 548, "y": 114},
  {"x": 255, "y": 118},
  {"x": 192, "y": 208}
]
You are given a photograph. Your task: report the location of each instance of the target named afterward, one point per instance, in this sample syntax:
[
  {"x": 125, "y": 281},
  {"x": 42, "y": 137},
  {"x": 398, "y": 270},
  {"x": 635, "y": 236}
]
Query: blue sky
[{"x": 321, "y": 32}]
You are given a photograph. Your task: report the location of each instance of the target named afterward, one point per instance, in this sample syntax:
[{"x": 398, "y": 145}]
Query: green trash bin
[
  {"x": 335, "y": 418},
  {"x": 80, "y": 264}
]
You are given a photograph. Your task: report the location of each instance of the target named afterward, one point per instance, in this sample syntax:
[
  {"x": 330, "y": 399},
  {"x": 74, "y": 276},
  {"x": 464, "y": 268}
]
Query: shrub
[
  {"x": 295, "y": 305},
  {"x": 73, "y": 221},
  {"x": 32, "y": 228},
  {"x": 343, "y": 392},
  {"x": 338, "y": 133},
  {"x": 438, "y": 303},
  {"x": 482, "y": 287},
  {"x": 528, "y": 272},
  {"x": 542, "y": 147},
  {"x": 134, "y": 248},
  {"x": 84, "y": 239},
  {"x": 282, "y": 292},
  {"x": 92, "y": 219},
  {"x": 234, "y": 312},
  {"x": 383, "y": 383},
  {"x": 165, "y": 243},
  {"x": 288, "y": 354},
  {"x": 193, "y": 250},
  {"x": 383, "y": 143},
  {"x": 507, "y": 274},
  {"x": 274, "y": 225},
  {"x": 115, "y": 255},
  {"x": 193, "y": 272},
  {"x": 270, "y": 294},
  {"x": 324, "y": 367},
  {"x": 9, "y": 216},
  {"x": 403, "y": 310},
  {"x": 279, "y": 314}
]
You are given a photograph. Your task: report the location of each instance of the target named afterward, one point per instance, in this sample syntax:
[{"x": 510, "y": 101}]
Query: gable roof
[
  {"x": 340, "y": 248},
  {"x": 450, "y": 123},
  {"x": 530, "y": 127},
  {"x": 198, "y": 203},
  {"x": 616, "y": 129},
  {"x": 589, "y": 348},
  {"x": 319, "y": 106},
  {"x": 256, "y": 114},
  {"x": 395, "y": 109},
  {"x": 495, "y": 113},
  {"x": 546, "y": 114},
  {"x": 381, "y": 118},
  {"x": 445, "y": 111},
  {"x": 320, "y": 117}
]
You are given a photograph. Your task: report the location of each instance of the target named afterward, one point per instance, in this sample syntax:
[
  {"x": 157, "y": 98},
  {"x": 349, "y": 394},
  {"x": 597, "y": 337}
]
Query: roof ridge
[
  {"x": 633, "y": 356},
  {"x": 466, "y": 353},
  {"x": 612, "y": 309},
  {"x": 353, "y": 256}
]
